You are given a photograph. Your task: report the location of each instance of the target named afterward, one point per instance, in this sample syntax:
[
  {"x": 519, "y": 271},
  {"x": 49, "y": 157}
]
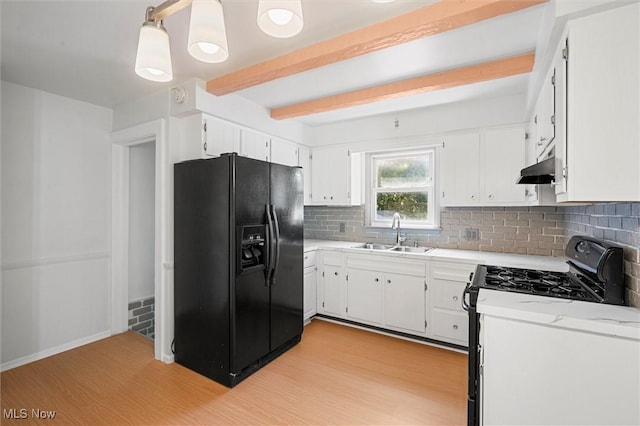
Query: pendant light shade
[
  {"x": 280, "y": 18},
  {"x": 153, "y": 60},
  {"x": 207, "y": 33}
]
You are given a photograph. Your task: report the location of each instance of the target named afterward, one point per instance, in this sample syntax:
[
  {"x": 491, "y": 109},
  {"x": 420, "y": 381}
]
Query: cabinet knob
[
  {"x": 324, "y": 197},
  {"x": 332, "y": 197},
  {"x": 306, "y": 257},
  {"x": 376, "y": 280},
  {"x": 335, "y": 273},
  {"x": 455, "y": 326},
  {"x": 490, "y": 195},
  {"x": 473, "y": 197},
  {"x": 455, "y": 298},
  {"x": 388, "y": 281}
]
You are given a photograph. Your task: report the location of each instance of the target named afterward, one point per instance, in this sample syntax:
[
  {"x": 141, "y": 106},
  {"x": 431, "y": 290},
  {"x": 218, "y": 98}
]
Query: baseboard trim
[
  {"x": 397, "y": 335},
  {"x": 53, "y": 351}
]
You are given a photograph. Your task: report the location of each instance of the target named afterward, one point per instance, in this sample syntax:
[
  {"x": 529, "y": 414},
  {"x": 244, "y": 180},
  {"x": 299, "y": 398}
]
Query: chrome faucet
[{"x": 395, "y": 224}]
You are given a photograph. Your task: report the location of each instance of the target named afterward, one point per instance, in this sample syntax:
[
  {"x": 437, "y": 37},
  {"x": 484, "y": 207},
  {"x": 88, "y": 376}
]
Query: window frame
[{"x": 372, "y": 189}]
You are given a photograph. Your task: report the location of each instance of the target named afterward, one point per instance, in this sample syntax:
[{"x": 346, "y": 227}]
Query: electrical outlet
[
  {"x": 471, "y": 234},
  {"x": 342, "y": 227}
]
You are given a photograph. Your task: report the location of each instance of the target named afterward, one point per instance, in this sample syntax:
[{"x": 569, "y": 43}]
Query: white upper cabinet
[
  {"x": 284, "y": 152},
  {"x": 545, "y": 116},
  {"x": 304, "y": 161},
  {"x": 482, "y": 169},
  {"x": 220, "y": 137},
  {"x": 205, "y": 136},
  {"x": 599, "y": 157},
  {"x": 501, "y": 158},
  {"x": 460, "y": 170},
  {"x": 335, "y": 177},
  {"x": 255, "y": 145}
]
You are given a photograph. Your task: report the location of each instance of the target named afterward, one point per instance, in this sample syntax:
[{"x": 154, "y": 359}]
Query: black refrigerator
[{"x": 238, "y": 231}]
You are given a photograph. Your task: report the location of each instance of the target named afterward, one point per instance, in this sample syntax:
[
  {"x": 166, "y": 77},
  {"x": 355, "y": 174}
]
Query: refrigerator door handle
[
  {"x": 274, "y": 217},
  {"x": 270, "y": 246}
]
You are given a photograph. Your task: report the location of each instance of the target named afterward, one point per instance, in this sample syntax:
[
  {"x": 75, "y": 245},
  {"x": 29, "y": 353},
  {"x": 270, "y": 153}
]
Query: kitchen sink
[
  {"x": 370, "y": 246},
  {"x": 411, "y": 249},
  {"x": 392, "y": 248}
]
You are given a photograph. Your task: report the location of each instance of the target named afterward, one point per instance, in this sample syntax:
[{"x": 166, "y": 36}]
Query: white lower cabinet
[
  {"x": 412, "y": 296},
  {"x": 331, "y": 284},
  {"x": 449, "y": 322},
  {"x": 549, "y": 374},
  {"x": 404, "y": 302},
  {"x": 388, "y": 293},
  {"x": 309, "y": 285},
  {"x": 364, "y": 296}
]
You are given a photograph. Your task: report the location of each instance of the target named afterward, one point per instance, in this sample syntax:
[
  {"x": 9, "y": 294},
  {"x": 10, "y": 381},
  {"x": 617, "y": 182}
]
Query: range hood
[{"x": 541, "y": 173}]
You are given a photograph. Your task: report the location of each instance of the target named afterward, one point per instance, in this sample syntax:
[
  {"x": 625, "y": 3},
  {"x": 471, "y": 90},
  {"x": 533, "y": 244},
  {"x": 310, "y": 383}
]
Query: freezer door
[
  {"x": 250, "y": 295},
  {"x": 286, "y": 284}
]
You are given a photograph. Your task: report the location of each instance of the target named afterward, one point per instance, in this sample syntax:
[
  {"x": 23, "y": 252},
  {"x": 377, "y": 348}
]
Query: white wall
[
  {"x": 141, "y": 220},
  {"x": 423, "y": 122},
  {"x": 56, "y": 158}
]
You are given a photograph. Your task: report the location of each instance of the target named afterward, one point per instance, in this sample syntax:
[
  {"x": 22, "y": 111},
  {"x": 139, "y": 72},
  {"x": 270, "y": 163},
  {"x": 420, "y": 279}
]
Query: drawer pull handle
[
  {"x": 455, "y": 326},
  {"x": 455, "y": 298}
]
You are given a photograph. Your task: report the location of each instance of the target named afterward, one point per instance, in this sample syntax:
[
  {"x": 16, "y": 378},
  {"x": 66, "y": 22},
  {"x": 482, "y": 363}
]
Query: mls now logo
[{"x": 23, "y": 413}]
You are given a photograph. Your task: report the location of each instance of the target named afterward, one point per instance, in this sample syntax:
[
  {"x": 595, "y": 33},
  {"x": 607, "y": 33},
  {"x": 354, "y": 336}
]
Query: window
[{"x": 402, "y": 182}]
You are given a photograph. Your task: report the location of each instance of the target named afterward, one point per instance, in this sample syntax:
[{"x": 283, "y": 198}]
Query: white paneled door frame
[{"x": 122, "y": 141}]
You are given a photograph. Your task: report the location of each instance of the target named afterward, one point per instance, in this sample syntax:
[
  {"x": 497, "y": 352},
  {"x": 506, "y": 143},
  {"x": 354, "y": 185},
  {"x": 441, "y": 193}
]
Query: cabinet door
[
  {"x": 220, "y": 137},
  {"x": 255, "y": 145},
  {"x": 330, "y": 179},
  {"x": 501, "y": 159},
  {"x": 530, "y": 156},
  {"x": 364, "y": 295},
  {"x": 460, "y": 170},
  {"x": 304, "y": 161},
  {"x": 405, "y": 302},
  {"x": 332, "y": 281},
  {"x": 309, "y": 292},
  {"x": 546, "y": 114},
  {"x": 284, "y": 152},
  {"x": 561, "y": 119}
]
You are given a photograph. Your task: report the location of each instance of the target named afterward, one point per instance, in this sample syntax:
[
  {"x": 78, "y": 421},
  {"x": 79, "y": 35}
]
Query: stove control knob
[{"x": 583, "y": 247}]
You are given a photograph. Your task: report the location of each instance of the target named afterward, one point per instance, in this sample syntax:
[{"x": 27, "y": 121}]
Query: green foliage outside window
[
  {"x": 410, "y": 205},
  {"x": 402, "y": 173}
]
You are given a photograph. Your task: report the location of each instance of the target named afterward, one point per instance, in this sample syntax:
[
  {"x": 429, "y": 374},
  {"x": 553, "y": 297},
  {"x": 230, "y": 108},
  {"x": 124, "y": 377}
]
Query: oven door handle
[{"x": 465, "y": 293}]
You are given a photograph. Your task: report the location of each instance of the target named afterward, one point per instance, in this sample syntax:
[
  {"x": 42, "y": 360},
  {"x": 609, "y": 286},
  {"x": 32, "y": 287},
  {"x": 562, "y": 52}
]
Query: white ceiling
[{"x": 85, "y": 49}]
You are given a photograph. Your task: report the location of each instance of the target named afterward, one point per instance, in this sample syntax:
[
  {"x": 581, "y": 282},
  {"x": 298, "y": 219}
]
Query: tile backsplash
[{"x": 523, "y": 230}]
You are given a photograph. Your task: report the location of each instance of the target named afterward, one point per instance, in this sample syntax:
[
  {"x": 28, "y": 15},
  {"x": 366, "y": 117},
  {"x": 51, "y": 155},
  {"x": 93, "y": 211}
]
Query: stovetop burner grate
[{"x": 542, "y": 283}]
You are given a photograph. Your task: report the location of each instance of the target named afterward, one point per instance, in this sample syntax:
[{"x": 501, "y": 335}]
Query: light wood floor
[{"x": 336, "y": 375}]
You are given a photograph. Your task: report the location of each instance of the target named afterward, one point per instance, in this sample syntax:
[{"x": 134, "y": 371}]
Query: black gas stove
[{"x": 596, "y": 274}]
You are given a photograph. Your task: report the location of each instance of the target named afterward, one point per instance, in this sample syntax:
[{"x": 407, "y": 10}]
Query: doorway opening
[
  {"x": 124, "y": 264},
  {"x": 141, "y": 292}
]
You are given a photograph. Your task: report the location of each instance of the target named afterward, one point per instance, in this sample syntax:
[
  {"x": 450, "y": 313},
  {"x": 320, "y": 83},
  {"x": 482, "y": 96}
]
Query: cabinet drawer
[
  {"x": 451, "y": 271},
  {"x": 415, "y": 268},
  {"x": 333, "y": 259},
  {"x": 447, "y": 295},
  {"x": 450, "y": 326},
  {"x": 309, "y": 259}
]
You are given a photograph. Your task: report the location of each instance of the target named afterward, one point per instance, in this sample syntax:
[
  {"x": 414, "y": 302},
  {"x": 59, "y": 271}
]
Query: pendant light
[
  {"x": 280, "y": 18},
  {"x": 153, "y": 58},
  {"x": 207, "y": 33}
]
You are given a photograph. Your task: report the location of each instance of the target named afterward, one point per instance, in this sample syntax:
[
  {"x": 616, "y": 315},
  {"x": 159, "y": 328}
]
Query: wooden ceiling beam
[
  {"x": 436, "y": 18},
  {"x": 444, "y": 80}
]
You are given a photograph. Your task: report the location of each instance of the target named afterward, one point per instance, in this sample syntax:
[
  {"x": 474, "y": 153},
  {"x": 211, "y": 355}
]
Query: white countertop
[
  {"x": 548, "y": 263},
  {"x": 612, "y": 320}
]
